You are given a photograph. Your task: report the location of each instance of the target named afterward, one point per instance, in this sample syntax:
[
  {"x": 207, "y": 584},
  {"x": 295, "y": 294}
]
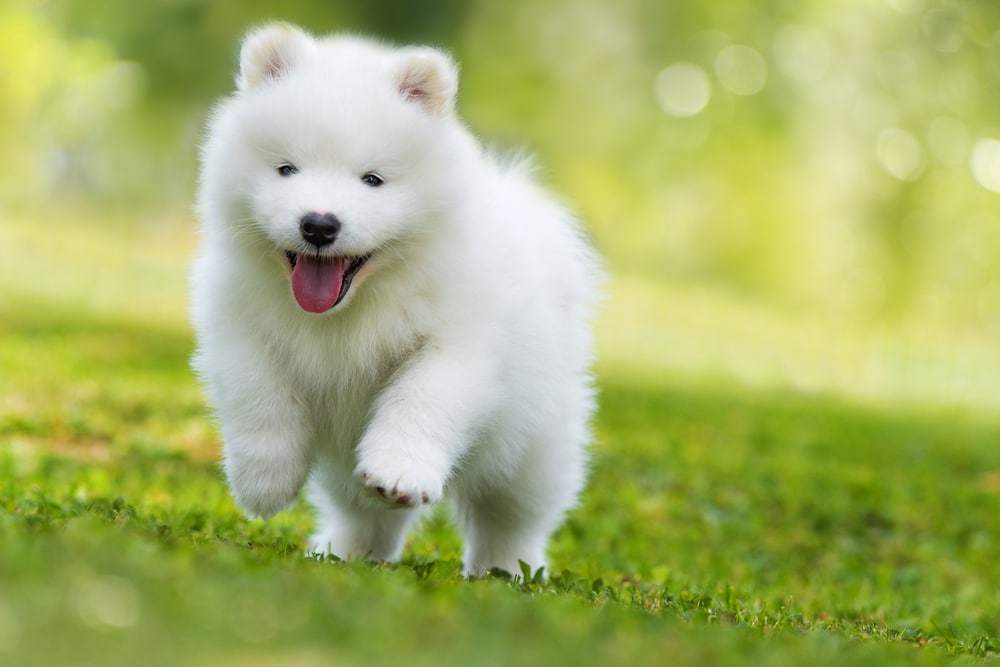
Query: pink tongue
[{"x": 317, "y": 284}]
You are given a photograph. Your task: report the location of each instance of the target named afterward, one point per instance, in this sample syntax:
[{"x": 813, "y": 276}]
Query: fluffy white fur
[{"x": 459, "y": 356}]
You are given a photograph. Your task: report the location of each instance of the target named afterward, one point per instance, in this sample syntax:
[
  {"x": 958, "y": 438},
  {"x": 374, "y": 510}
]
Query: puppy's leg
[
  {"x": 498, "y": 533},
  {"x": 266, "y": 465},
  {"x": 421, "y": 423},
  {"x": 350, "y": 532},
  {"x": 265, "y": 432},
  {"x": 508, "y": 513}
]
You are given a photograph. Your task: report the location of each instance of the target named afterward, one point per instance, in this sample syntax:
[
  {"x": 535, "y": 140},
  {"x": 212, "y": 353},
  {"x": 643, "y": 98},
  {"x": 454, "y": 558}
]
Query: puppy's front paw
[
  {"x": 401, "y": 485},
  {"x": 258, "y": 503},
  {"x": 263, "y": 492}
]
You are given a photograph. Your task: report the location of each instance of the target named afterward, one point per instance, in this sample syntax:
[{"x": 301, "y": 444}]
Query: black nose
[{"x": 320, "y": 229}]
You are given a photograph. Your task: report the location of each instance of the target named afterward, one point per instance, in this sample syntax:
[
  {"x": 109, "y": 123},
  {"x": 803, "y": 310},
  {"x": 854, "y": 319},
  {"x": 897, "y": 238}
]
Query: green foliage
[{"x": 844, "y": 159}]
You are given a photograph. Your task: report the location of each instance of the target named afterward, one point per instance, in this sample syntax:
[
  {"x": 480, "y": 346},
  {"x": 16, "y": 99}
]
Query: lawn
[{"x": 764, "y": 491}]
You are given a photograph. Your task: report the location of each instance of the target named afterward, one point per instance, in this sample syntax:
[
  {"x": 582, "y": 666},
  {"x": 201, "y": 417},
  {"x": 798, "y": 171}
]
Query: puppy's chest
[
  {"x": 343, "y": 374},
  {"x": 339, "y": 400},
  {"x": 336, "y": 378}
]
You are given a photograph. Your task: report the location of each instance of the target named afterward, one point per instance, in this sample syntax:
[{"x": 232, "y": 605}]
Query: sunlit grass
[
  {"x": 121, "y": 268},
  {"x": 659, "y": 331}
]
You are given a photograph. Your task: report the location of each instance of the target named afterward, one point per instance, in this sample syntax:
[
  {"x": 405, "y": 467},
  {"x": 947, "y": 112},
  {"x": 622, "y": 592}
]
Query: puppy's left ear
[{"x": 427, "y": 77}]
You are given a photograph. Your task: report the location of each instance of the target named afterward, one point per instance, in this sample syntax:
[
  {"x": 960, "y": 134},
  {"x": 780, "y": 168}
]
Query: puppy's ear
[
  {"x": 269, "y": 52},
  {"x": 427, "y": 77}
]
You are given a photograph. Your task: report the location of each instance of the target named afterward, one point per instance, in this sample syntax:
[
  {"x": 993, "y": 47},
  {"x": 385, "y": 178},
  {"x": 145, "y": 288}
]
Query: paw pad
[{"x": 400, "y": 494}]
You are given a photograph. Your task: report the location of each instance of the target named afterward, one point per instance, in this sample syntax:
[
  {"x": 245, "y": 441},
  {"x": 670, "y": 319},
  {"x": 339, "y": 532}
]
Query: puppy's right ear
[{"x": 269, "y": 52}]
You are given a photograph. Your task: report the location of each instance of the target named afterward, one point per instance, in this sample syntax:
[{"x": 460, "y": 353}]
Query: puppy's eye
[
  {"x": 285, "y": 170},
  {"x": 372, "y": 179}
]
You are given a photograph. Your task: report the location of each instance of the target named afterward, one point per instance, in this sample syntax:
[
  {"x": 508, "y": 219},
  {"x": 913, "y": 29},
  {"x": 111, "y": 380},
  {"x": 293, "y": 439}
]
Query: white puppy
[{"x": 384, "y": 310}]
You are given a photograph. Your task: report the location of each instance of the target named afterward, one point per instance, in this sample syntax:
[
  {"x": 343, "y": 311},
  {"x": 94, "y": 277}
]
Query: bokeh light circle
[
  {"x": 900, "y": 154},
  {"x": 683, "y": 89},
  {"x": 985, "y": 164},
  {"x": 741, "y": 69}
]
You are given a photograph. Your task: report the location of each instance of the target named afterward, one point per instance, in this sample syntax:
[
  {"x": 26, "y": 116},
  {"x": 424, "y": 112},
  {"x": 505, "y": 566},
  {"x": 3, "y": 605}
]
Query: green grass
[{"x": 745, "y": 513}]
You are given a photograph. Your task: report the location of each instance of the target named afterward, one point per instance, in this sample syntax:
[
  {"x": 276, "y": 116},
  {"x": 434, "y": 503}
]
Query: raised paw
[{"x": 401, "y": 491}]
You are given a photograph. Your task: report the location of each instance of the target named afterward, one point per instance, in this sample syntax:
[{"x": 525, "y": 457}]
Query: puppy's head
[{"x": 335, "y": 155}]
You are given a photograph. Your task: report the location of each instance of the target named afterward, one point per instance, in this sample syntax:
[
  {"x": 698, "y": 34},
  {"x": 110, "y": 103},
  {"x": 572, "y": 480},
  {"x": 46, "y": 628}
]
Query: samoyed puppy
[{"x": 383, "y": 310}]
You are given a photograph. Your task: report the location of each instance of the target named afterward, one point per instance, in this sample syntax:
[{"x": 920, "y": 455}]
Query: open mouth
[{"x": 320, "y": 283}]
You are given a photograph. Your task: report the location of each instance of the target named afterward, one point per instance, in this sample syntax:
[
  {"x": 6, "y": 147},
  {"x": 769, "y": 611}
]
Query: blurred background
[{"x": 793, "y": 195}]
